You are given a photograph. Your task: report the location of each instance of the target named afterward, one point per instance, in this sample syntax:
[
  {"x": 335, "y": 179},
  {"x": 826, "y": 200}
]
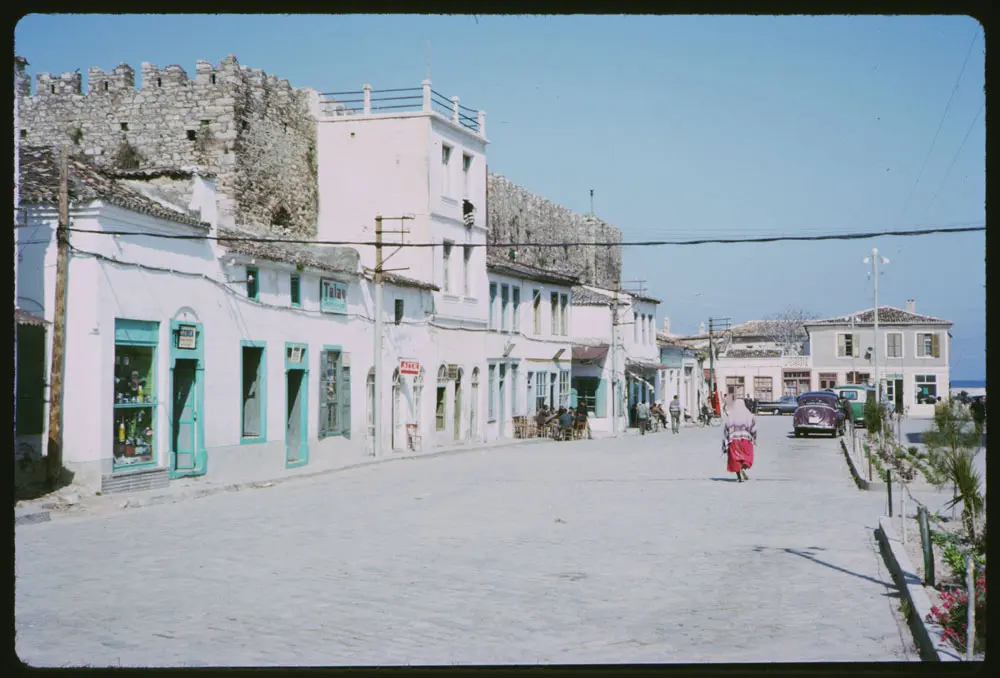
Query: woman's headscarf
[{"x": 738, "y": 412}]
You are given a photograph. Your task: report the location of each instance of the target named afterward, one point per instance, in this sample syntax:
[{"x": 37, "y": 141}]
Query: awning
[
  {"x": 643, "y": 365},
  {"x": 590, "y": 352},
  {"x": 22, "y": 317}
]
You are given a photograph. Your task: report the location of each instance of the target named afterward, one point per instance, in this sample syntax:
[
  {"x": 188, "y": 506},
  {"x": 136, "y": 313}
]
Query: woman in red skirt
[{"x": 740, "y": 438}]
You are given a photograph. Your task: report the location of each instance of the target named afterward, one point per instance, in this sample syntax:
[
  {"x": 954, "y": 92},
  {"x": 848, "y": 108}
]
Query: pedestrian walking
[
  {"x": 642, "y": 415},
  {"x": 739, "y": 438},
  {"x": 675, "y": 415}
]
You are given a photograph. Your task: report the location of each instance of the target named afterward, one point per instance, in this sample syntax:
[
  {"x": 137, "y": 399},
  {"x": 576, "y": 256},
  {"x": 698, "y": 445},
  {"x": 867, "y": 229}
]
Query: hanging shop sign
[
  {"x": 295, "y": 354},
  {"x": 187, "y": 337},
  {"x": 411, "y": 367}
]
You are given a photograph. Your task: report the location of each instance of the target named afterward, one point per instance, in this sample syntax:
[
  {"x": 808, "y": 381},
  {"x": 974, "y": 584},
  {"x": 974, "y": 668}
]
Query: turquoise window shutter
[
  {"x": 600, "y": 398},
  {"x": 572, "y": 398}
]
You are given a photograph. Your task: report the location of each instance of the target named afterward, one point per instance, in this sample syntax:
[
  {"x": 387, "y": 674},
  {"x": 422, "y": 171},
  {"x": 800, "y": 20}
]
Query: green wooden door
[
  {"x": 184, "y": 428},
  {"x": 30, "y": 379}
]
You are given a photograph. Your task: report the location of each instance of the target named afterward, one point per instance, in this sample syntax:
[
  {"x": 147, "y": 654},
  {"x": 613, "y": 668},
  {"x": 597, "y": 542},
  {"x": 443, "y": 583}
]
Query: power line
[
  {"x": 927, "y": 157},
  {"x": 636, "y": 243},
  {"x": 955, "y": 158}
]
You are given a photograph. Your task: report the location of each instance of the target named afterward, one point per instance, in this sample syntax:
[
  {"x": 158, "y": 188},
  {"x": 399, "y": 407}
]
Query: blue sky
[{"x": 683, "y": 126}]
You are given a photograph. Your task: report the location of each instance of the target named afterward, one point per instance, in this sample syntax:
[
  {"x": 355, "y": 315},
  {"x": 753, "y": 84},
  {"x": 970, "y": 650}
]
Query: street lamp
[{"x": 874, "y": 260}]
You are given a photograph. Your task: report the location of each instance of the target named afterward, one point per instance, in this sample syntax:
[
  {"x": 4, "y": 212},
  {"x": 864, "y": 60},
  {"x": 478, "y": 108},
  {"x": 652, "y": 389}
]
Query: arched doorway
[
  {"x": 474, "y": 405},
  {"x": 398, "y": 438},
  {"x": 458, "y": 405}
]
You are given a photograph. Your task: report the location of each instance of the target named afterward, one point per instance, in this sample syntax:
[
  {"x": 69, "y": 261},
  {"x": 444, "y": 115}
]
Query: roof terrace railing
[{"x": 368, "y": 101}]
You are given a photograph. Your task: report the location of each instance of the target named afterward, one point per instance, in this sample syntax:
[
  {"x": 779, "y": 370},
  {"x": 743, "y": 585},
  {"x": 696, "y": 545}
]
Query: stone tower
[{"x": 254, "y": 131}]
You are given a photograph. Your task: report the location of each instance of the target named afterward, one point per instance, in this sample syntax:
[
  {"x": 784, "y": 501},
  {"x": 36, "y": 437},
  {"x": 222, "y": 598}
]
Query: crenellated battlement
[{"x": 253, "y": 129}]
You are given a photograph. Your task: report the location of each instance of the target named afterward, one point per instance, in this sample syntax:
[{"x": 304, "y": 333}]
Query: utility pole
[
  {"x": 614, "y": 365},
  {"x": 874, "y": 259},
  {"x": 377, "y": 409},
  {"x": 377, "y": 275},
  {"x": 714, "y": 324},
  {"x": 55, "y": 446}
]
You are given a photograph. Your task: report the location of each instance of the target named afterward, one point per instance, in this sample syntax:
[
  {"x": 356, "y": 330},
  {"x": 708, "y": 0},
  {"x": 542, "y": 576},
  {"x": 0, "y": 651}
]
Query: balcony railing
[{"x": 368, "y": 101}]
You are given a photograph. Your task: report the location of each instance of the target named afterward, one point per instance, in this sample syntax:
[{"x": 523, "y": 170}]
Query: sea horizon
[{"x": 968, "y": 383}]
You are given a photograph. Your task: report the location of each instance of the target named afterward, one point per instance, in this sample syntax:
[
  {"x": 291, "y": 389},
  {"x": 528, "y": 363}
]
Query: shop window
[
  {"x": 253, "y": 283},
  {"x": 254, "y": 394},
  {"x": 827, "y": 380},
  {"x": 860, "y": 378},
  {"x": 295, "y": 287},
  {"x": 762, "y": 388},
  {"x": 564, "y": 382},
  {"x": 333, "y": 296},
  {"x": 439, "y": 408},
  {"x": 926, "y": 388},
  {"x": 334, "y": 394},
  {"x": 541, "y": 388},
  {"x": 736, "y": 387},
  {"x": 586, "y": 392},
  {"x": 135, "y": 393}
]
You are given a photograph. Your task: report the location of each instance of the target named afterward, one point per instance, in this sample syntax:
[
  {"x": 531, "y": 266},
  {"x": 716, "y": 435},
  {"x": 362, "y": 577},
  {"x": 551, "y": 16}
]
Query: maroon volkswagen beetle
[{"x": 819, "y": 412}]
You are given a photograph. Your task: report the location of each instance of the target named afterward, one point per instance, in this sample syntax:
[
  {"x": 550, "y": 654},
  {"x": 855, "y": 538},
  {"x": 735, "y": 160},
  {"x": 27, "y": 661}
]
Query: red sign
[{"x": 409, "y": 367}]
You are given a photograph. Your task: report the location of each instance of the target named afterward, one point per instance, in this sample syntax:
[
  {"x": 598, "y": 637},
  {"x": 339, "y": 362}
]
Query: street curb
[
  {"x": 176, "y": 497},
  {"x": 858, "y": 478},
  {"x": 33, "y": 517},
  {"x": 926, "y": 634}
]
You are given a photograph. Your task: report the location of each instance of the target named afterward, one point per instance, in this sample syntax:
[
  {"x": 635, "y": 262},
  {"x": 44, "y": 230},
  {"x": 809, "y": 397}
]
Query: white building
[
  {"x": 615, "y": 354},
  {"x": 528, "y": 344},
  {"x": 427, "y": 162},
  {"x": 912, "y": 350},
  {"x": 682, "y": 375},
  {"x": 185, "y": 357}
]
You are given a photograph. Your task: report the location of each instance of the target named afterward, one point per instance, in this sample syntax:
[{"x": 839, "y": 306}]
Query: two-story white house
[
  {"x": 417, "y": 159},
  {"x": 528, "y": 345},
  {"x": 912, "y": 351}
]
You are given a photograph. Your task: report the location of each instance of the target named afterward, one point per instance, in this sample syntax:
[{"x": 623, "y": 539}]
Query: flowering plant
[{"x": 953, "y": 615}]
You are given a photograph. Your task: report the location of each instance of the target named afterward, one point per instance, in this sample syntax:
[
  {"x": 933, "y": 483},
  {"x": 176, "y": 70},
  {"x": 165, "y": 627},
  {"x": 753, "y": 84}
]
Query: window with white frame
[
  {"x": 554, "y": 304},
  {"x": 763, "y": 388},
  {"x": 516, "y": 303},
  {"x": 635, "y": 326},
  {"x": 563, "y": 388},
  {"x": 848, "y": 345},
  {"x": 446, "y": 267},
  {"x": 564, "y": 314},
  {"x": 926, "y": 388},
  {"x": 645, "y": 330},
  {"x": 504, "y": 306},
  {"x": 466, "y": 167},
  {"x": 467, "y": 271},
  {"x": 928, "y": 345},
  {"x": 541, "y": 389},
  {"x": 894, "y": 345},
  {"x": 445, "y": 170},
  {"x": 536, "y": 309},
  {"x": 493, "y": 303},
  {"x": 652, "y": 329}
]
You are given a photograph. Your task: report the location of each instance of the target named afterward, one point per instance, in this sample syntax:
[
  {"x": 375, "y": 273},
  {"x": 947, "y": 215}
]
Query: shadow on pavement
[
  {"x": 725, "y": 480},
  {"x": 812, "y": 557}
]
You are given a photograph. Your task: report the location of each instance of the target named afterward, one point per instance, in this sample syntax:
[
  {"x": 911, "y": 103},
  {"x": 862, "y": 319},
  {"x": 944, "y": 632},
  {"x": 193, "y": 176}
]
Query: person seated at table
[
  {"x": 566, "y": 419},
  {"x": 582, "y": 421},
  {"x": 541, "y": 416}
]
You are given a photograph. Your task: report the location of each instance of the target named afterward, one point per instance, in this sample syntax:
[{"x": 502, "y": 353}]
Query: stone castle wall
[
  {"x": 517, "y": 215},
  {"x": 254, "y": 131}
]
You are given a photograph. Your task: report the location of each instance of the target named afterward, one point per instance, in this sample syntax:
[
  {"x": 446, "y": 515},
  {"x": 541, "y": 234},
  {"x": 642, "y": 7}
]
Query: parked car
[
  {"x": 783, "y": 405},
  {"x": 857, "y": 395},
  {"x": 819, "y": 412}
]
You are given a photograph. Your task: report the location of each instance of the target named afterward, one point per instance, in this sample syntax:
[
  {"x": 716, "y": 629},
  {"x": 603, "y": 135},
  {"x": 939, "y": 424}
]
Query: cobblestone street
[{"x": 636, "y": 549}]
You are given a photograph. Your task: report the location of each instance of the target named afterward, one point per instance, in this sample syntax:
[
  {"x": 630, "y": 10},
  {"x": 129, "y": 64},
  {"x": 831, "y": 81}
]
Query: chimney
[
  {"x": 666, "y": 324},
  {"x": 911, "y": 306}
]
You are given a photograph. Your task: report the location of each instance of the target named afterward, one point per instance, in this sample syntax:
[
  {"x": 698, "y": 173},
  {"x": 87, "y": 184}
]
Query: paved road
[{"x": 640, "y": 549}]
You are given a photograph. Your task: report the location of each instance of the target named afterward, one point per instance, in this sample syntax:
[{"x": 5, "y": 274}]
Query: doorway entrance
[
  {"x": 184, "y": 418},
  {"x": 458, "y": 406},
  {"x": 296, "y": 428},
  {"x": 502, "y": 418}
]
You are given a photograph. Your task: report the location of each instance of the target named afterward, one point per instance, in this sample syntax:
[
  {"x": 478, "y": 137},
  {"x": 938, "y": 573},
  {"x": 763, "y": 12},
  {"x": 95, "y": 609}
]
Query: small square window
[
  {"x": 24, "y": 134},
  {"x": 191, "y": 135},
  {"x": 399, "y": 311},
  {"x": 205, "y": 123}
]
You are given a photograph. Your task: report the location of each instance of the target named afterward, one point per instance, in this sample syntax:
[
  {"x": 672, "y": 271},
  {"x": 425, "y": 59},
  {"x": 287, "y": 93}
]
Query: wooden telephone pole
[{"x": 55, "y": 444}]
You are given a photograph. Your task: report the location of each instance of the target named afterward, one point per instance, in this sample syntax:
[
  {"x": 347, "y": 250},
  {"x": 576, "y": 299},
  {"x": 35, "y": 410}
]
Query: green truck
[{"x": 857, "y": 395}]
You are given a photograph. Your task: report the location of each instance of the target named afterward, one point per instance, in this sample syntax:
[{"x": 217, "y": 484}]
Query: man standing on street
[
  {"x": 675, "y": 415},
  {"x": 642, "y": 414}
]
